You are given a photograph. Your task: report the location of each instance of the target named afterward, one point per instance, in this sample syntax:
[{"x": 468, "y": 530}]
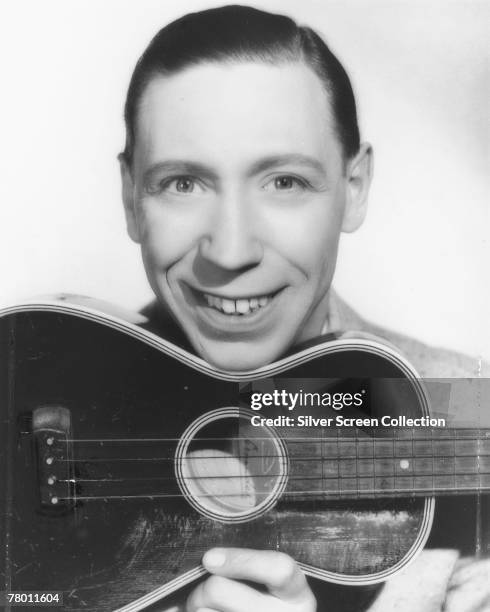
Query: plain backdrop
[{"x": 420, "y": 71}]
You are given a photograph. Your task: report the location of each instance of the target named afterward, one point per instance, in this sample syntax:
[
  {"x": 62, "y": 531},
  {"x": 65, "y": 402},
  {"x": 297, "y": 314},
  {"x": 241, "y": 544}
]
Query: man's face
[{"x": 238, "y": 194}]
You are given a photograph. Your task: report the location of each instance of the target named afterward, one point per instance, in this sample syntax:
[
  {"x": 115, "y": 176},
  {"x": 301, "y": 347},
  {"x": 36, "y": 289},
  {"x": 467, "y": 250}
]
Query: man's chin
[{"x": 238, "y": 356}]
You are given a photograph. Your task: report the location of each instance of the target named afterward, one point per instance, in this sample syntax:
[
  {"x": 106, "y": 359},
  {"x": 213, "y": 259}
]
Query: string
[
  {"x": 319, "y": 494},
  {"x": 291, "y": 478},
  {"x": 293, "y": 439},
  {"x": 270, "y": 456}
]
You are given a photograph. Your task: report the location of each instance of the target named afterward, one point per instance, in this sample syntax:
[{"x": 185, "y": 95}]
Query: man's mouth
[{"x": 237, "y": 307}]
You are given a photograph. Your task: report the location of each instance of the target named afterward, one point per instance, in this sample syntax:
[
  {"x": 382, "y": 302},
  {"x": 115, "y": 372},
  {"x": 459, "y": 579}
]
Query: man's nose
[{"x": 232, "y": 241}]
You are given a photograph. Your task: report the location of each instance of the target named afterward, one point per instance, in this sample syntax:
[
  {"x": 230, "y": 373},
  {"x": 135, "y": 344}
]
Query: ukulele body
[{"x": 115, "y": 405}]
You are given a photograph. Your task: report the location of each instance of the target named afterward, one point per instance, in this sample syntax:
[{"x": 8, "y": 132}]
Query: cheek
[
  {"x": 308, "y": 238},
  {"x": 162, "y": 240}
]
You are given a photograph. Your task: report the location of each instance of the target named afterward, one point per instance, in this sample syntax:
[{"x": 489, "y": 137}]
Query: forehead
[{"x": 235, "y": 112}]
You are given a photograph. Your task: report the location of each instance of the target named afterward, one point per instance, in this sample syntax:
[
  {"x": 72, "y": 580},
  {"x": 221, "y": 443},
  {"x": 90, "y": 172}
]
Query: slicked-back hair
[{"x": 234, "y": 34}]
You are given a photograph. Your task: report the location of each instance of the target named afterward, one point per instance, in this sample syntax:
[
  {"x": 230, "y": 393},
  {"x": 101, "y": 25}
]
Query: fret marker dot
[{"x": 404, "y": 464}]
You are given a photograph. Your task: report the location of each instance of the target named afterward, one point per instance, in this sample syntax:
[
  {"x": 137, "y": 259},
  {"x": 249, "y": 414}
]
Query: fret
[
  {"x": 432, "y": 474},
  {"x": 338, "y": 462},
  {"x": 479, "y": 469},
  {"x": 374, "y": 463},
  {"x": 411, "y": 463},
  {"x": 393, "y": 457},
  {"x": 324, "y": 445},
  {"x": 357, "y": 466},
  {"x": 455, "y": 464}
]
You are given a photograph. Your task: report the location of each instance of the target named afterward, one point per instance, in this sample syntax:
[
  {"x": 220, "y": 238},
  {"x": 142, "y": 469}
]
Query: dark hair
[{"x": 241, "y": 33}]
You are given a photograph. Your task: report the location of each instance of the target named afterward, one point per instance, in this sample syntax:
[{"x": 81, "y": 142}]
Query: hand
[{"x": 285, "y": 584}]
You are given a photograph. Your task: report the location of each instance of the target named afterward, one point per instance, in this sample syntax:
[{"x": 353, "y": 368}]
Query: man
[{"x": 242, "y": 167}]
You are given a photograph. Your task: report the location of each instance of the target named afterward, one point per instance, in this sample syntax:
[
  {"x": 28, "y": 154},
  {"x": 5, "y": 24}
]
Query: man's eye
[
  {"x": 181, "y": 185},
  {"x": 285, "y": 182}
]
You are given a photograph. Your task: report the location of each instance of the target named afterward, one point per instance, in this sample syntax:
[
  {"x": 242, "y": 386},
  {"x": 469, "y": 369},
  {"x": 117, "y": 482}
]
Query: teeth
[
  {"x": 228, "y": 306},
  {"x": 243, "y": 306}
]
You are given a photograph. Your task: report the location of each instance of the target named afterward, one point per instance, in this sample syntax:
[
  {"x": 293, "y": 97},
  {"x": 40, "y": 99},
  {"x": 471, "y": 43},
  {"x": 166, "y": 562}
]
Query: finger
[
  {"x": 225, "y": 595},
  {"x": 277, "y": 571}
]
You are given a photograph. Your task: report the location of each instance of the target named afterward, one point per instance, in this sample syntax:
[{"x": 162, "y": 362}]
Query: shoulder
[
  {"x": 429, "y": 361},
  {"x": 433, "y": 362}
]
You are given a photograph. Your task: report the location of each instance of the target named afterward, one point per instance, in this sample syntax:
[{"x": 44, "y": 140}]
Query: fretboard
[{"x": 391, "y": 463}]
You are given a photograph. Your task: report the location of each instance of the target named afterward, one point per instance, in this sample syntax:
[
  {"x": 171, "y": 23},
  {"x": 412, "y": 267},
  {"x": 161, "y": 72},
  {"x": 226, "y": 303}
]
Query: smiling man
[
  {"x": 238, "y": 199},
  {"x": 242, "y": 167}
]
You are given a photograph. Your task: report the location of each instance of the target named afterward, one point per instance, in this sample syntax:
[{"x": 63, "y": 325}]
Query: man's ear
[
  {"x": 127, "y": 187},
  {"x": 359, "y": 172}
]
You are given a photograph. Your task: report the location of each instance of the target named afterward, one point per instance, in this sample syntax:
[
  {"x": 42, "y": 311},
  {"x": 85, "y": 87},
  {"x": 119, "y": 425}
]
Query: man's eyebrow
[
  {"x": 177, "y": 166},
  {"x": 296, "y": 159}
]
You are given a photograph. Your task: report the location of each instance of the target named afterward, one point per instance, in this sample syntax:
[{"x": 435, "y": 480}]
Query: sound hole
[{"x": 228, "y": 469}]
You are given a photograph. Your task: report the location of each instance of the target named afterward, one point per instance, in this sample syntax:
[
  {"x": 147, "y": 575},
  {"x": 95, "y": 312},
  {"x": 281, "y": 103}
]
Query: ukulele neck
[{"x": 407, "y": 462}]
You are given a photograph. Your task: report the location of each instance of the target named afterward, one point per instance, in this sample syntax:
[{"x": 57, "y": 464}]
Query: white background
[{"x": 420, "y": 70}]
